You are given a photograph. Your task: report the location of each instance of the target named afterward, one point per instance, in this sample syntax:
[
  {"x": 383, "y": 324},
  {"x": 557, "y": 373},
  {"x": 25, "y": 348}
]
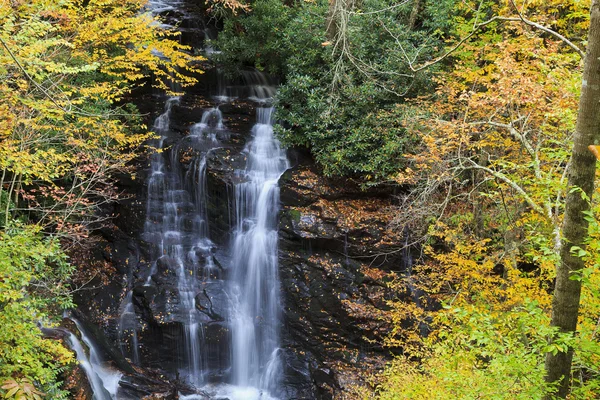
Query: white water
[
  {"x": 255, "y": 283},
  {"x": 225, "y": 93},
  {"x": 260, "y": 89},
  {"x": 177, "y": 227},
  {"x": 157, "y": 7},
  {"x": 211, "y": 118},
  {"x": 128, "y": 329},
  {"x": 103, "y": 380},
  {"x": 230, "y": 392},
  {"x": 128, "y": 321},
  {"x": 209, "y": 50}
]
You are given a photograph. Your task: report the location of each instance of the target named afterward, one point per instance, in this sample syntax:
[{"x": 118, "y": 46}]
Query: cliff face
[
  {"x": 126, "y": 294},
  {"x": 336, "y": 253}
]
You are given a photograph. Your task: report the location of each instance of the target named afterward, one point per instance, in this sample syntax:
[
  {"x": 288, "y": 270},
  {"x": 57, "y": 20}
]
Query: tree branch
[
  {"x": 477, "y": 27},
  {"x": 545, "y": 29},
  {"x": 510, "y": 183}
]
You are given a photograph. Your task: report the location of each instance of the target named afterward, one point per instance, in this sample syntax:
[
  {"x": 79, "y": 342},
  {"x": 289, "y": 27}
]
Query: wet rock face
[
  {"x": 221, "y": 166},
  {"x": 119, "y": 263},
  {"x": 332, "y": 235},
  {"x": 334, "y": 291},
  {"x": 77, "y": 383}
]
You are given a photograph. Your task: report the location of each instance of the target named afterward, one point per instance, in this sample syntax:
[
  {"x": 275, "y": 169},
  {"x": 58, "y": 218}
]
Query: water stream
[
  {"x": 255, "y": 283},
  {"x": 104, "y": 381},
  {"x": 177, "y": 227},
  {"x": 245, "y": 282}
]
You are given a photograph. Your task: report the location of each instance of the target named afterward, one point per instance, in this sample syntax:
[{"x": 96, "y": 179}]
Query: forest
[{"x": 299, "y": 199}]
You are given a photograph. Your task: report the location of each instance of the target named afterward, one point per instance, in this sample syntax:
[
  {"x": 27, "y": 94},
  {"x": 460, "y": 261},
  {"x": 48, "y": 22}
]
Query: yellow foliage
[
  {"x": 65, "y": 70},
  {"x": 494, "y": 143}
]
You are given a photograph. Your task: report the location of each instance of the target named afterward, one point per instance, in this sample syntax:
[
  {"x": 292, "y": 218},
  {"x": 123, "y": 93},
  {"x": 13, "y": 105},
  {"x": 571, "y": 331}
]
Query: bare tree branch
[{"x": 511, "y": 183}]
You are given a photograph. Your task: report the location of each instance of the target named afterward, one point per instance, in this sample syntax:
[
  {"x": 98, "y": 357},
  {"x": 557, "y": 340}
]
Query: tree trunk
[
  {"x": 331, "y": 29},
  {"x": 565, "y": 304},
  {"x": 414, "y": 14}
]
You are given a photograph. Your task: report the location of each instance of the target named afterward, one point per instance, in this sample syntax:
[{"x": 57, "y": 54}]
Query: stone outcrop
[{"x": 336, "y": 252}]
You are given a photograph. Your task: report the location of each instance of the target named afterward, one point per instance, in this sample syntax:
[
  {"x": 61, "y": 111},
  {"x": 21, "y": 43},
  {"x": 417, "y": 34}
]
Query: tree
[
  {"x": 340, "y": 76},
  {"x": 34, "y": 274},
  {"x": 66, "y": 129},
  {"x": 496, "y": 132},
  {"x": 519, "y": 102},
  {"x": 67, "y": 70},
  {"x": 581, "y": 177}
]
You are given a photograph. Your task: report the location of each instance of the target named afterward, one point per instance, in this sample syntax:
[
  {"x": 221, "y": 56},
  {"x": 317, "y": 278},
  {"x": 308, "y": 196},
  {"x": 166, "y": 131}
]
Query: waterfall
[
  {"x": 181, "y": 253},
  {"x": 177, "y": 227},
  {"x": 208, "y": 48},
  {"x": 160, "y": 6},
  {"x": 224, "y": 92},
  {"x": 128, "y": 324},
  {"x": 128, "y": 329},
  {"x": 103, "y": 381},
  {"x": 211, "y": 118},
  {"x": 255, "y": 283},
  {"x": 260, "y": 89}
]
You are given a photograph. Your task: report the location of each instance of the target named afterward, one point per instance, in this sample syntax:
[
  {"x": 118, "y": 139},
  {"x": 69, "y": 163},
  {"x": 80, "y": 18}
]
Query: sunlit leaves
[
  {"x": 21, "y": 389},
  {"x": 33, "y": 274},
  {"x": 496, "y": 135},
  {"x": 66, "y": 68},
  {"x": 66, "y": 130}
]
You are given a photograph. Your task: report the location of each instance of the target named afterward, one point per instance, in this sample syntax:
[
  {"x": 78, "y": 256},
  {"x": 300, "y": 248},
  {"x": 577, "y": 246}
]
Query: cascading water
[
  {"x": 255, "y": 283},
  {"x": 260, "y": 89},
  {"x": 177, "y": 230},
  {"x": 176, "y": 226},
  {"x": 128, "y": 329},
  {"x": 128, "y": 322},
  {"x": 103, "y": 381}
]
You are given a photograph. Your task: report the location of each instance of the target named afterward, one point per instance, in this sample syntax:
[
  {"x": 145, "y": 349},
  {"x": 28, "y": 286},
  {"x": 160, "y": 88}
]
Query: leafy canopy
[{"x": 68, "y": 69}]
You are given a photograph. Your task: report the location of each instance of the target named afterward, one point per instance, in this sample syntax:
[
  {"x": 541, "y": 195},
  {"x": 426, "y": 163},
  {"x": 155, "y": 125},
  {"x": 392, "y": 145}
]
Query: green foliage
[
  {"x": 33, "y": 285},
  {"x": 295, "y": 215},
  {"x": 586, "y": 363},
  {"x": 339, "y": 101},
  {"x": 66, "y": 70},
  {"x": 274, "y": 38},
  {"x": 480, "y": 353},
  {"x": 370, "y": 145}
]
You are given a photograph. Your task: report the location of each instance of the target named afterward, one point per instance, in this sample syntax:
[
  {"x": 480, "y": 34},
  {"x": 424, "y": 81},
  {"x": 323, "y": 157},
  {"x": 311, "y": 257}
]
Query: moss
[
  {"x": 294, "y": 215},
  {"x": 286, "y": 177}
]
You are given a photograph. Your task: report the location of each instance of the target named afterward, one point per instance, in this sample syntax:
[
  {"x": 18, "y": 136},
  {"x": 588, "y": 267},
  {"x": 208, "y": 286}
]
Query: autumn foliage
[
  {"x": 67, "y": 130},
  {"x": 489, "y": 181},
  {"x": 469, "y": 108},
  {"x": 65, "y": 126}
]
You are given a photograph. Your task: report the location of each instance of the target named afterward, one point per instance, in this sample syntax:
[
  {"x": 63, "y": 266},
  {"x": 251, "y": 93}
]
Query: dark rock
[
  {"x": 151, "y": 386},
  {"x": 77, "y": 384},
  {"x": 332, "y": 297},
  {"x": 53, "y": 333},
  {"x": 106, "y": 346},
  {"x": 121, "y": 250},
  {"x": 212, "y": 300},
  {"x": 333, "y": 301},
  {"x": 216, "y": 340}
]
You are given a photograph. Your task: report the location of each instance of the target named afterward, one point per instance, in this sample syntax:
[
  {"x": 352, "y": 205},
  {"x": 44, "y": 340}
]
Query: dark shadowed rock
[{"x": 333, "y": 301}]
